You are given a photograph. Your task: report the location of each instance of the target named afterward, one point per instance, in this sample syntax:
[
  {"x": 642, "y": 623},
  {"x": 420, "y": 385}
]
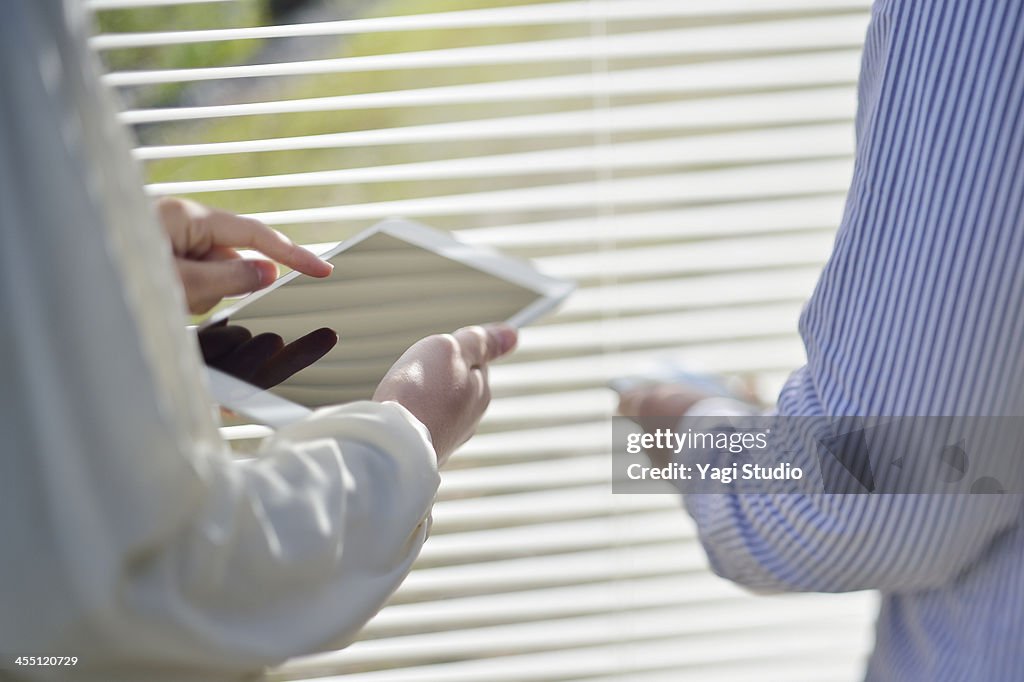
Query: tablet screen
[{"x": 389, "y": 288}]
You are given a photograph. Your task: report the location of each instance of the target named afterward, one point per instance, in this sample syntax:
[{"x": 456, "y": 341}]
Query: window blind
[{"x": 684, "y": 162}]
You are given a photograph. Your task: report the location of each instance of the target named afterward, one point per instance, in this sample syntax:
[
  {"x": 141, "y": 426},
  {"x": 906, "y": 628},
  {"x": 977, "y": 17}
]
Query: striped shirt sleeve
[{"x": 919, "y": 310}]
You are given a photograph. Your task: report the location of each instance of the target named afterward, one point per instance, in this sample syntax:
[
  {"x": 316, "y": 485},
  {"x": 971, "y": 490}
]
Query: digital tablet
[{"x": 392, "y": 285}]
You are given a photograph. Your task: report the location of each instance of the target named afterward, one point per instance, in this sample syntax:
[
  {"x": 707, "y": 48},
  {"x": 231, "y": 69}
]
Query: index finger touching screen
[{"x": 390, "y": 287}]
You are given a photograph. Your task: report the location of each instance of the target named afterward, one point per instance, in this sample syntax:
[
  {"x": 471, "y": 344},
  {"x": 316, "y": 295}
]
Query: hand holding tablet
[
  {"x": 457, "y": 362},
  {"x": 391, "y": 286}
]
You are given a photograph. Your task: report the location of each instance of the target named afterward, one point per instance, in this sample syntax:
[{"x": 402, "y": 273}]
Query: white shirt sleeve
[{"x": 131, "y": 538}]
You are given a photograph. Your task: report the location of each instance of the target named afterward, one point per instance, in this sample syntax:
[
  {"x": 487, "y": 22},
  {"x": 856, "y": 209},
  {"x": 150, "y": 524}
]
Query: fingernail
[
  {"x": 326, "y": 266},
  {"x": 265, "y": 271},
  {"x": 507, "y": 336}
]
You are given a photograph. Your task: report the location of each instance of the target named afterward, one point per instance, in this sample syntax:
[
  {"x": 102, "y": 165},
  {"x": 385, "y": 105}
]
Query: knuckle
[
  {"x": 260, "y": 236},
  {"x": 254, "y": 229},
  {"x": 251, "y": 223},
  {"x": 170, "y": 209},
  {"x": 477, "y": 334},
  {"x": 447, "y": 344},
  {"x": 173, "y": 217},
  {"x": 254, "y": 225},
  {"x": 202, "y": 221},
  {"x": 192, "y": 223}
]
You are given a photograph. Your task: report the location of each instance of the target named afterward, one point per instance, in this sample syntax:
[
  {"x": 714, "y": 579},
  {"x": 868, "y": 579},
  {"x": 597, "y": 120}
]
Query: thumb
[
  {"x": 501, "y": 340},
  {"x": 628, "y": 403},
  {"x": 207, "y": 282},
  {"x": 483, "y": 343}
]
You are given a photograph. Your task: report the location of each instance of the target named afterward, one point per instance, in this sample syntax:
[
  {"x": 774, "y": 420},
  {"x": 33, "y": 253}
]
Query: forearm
[
  {"x": 296, "y": 551},
  {"x": 814, "y": 541},
  {"x": 253, "y": 563}
]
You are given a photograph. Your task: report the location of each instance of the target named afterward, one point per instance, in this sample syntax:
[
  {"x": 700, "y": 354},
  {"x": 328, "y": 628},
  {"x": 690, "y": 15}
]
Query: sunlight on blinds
[{"x": 684, "y": 162}]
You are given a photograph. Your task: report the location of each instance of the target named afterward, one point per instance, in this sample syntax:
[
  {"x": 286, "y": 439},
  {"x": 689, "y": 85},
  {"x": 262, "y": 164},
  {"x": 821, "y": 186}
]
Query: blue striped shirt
[{"x": 919, "y": 311}]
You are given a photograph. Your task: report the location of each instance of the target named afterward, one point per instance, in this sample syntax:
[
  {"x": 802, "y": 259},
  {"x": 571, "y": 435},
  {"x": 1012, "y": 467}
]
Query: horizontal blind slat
[
  {"x": 519, "y": 575},
  {"x": 525, "y": 15},
  {"x": 454, "y": 516},
  {"x": 711, "y": 255},
  {"x": 698, "y": 222},
  {"x": 549, "y": 604},
  {"x": 682, "y": 653},
  {"x": 828, "y": 68},
  {"x": 98, "y": 5},
  {"x": 789, "y": 36},
  {"x": 769, "y": 109},
  {"x": 747, "y": 356},
  {"x": 730, "y": 620},
  {"x": 763, "y": 182},
  {"x": 730, "y": 148},
  {"x": 552, "y": 538}
]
